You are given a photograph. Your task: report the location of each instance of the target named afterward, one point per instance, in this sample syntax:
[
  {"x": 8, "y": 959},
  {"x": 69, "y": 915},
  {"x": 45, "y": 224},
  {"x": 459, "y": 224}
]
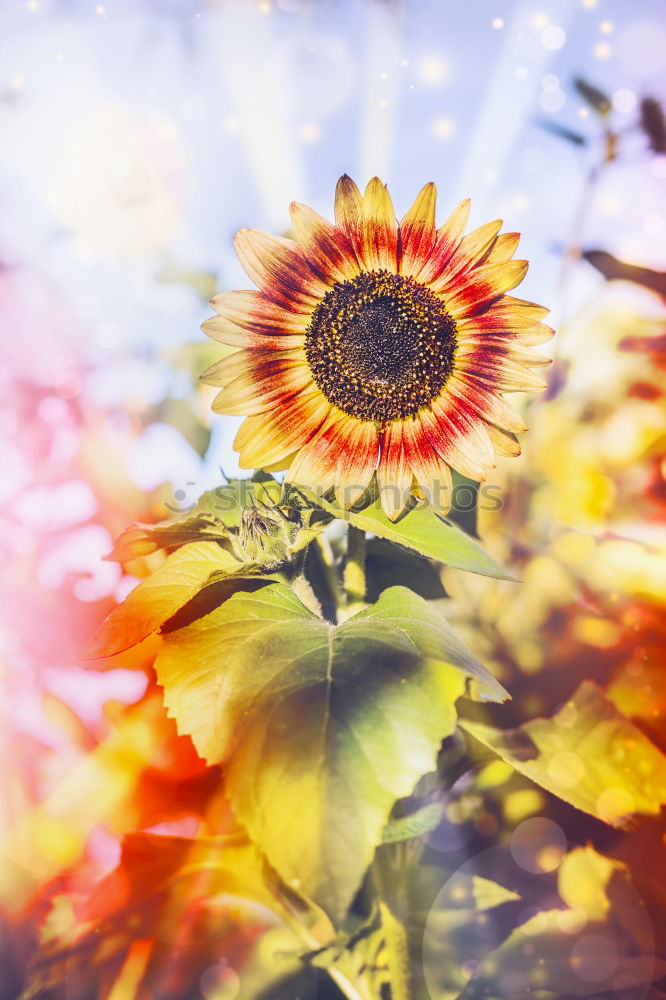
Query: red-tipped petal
[
  {"x": 458, "y": 436},
  {"x": 270, "y": 438},
  {"x": 341, "y": 447},
  {"x": 357, "y": 462},
  {"x": 262, "y": 385},
  {"x": 348, "y": 204},
  {"x": 280, "y": 269},
  {"x": 327, "y": 249},
  {"x": 431, "y": 472},
  {"x": 497, "y": 374},
  {"x": 251, "y": 319},
  {"x": 417, "y": 231},
  {"x": 484, "y": 284},
  {"x": 447, "y": 241},
  {"x": 471, "y": 252},
  {"x": 377, "y": 239},
  {"x": 485, "y": 404},
  {"x": 394, "y": 475}
]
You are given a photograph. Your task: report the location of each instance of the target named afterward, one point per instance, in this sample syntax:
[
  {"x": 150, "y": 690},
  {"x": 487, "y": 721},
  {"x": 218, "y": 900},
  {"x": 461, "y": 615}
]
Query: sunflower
[{"x": 377, "y": 347}]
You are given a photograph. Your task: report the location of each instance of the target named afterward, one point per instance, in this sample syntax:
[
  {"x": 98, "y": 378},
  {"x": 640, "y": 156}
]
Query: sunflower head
[{"x": 377, "y": 347}]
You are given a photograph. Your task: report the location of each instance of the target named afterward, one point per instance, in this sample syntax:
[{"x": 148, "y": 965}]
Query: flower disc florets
[{"x": 380, "y": 346}]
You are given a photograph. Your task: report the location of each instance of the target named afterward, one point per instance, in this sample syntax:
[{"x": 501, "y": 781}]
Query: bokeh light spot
[
  {"x": 219, "y": 982},
  {"x": 553, "y": 37},
  {"x": 614, "y": 805},
  {"x": 594, "y": 958},
  {"x": 538, "y": 845},
  {"x": 624, "y": 101}
]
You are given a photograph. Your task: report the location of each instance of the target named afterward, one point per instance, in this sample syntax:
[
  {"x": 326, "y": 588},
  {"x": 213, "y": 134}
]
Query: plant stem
[
  {"x": 397, "y": 950},
  {"x": 303, "y": 590},
  {"x": 328, "y": 566},
  {"x": 350, "y": 989},
  {"x": 388, "y": 876},
  {"x": 346, "y": 986},
  {"x": 354, "y": 572},
  {"x": 301, "y": 585}
]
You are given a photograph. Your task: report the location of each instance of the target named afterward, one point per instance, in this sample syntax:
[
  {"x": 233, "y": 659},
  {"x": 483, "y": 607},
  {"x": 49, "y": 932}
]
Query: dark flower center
[{"x": 380, "y": 346}]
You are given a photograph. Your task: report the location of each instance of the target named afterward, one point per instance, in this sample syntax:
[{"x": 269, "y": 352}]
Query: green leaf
[
  {"x": 321, "y": 728},
  {"x": 214, "y": 516},
  {"x": 143, "y": 539},
  {"x": 359, "y": 959},
  {"x": 422, "y": 531},
  {"x": 396, "y": 945},
  {"x": 386, "y": 563},
  {"x": 243, "y": 515},
  {"x": 470, "y": 892},
  {"x": 596, "y": 947},
  {"x": 234, "y": 496},
  {"x": 562, "y": 132},
  {"x": 153, "y": 602},
  {"x": 601, "y": 944},
  {"x": 414, "y": 825},
  {"x": 588, "y": 754},
  {"x": 457, "y": 927},
  {"x": 596, "y": 98},
  {"x": 464, "y": 512}
]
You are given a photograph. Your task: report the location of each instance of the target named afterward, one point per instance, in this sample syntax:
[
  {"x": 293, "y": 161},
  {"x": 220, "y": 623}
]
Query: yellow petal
[
  {"x": 348, "y": 204},
  {"x": 263, "y": 389},
  {"x": 431, "y": 472},
  {"x": 423, "y": 209},
  {"x": 504, "y": 442},
  {"x": 472, "y": 250},
  {"x": 537, "y": 334},
  {"x": 327, "y": 249},
  {"x": 417, "y": 232},
  {"x": 446, "y": 242},
  {"x": 455, "y": 225},
  {"x": 394, "y": 476},
  {"x": 483, "y": 284},
  {"x": 279, "y": 268},
  {"x": 268, "y": 438},
  {"x": 504, "y": 248},
  {"x": 378, "y": 229}
]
